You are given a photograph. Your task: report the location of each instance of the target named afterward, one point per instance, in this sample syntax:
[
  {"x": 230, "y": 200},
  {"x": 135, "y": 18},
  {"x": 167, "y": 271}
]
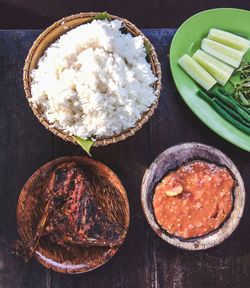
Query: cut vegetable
[
  {"x": 229, "y": 39},
  {"x": 226, "y": 54},
  {"x": 219, "y": 70},
  {"x": 231, "y": 103},
  {"x": 223, "y": 113},
  {"x": 230, "y": 111},
  {"x": 174, "y": 191},
  {"x": 199, "y": 74}
]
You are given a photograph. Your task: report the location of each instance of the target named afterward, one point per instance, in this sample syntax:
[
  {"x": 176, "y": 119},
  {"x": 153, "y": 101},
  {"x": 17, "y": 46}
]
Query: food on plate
[
  {"x": 197, "y": 72},
  {"x": 94, "y": 81},
  {"x": 232, "y": 101},
  {"x": 218, "y": 69},
  {"x": 220, "y": 51},
  {"x": 76, "y": 216},
  {"x": 229, "y": 39},
  {"x": 231, "y": 96},
  {"x": 202, "y": 206},
  {"x": 224, "y": 53},
  {"x": 229, "y": 113},
  {"x": 75, "y": 212},
  {"x": 240, "y": 84}
]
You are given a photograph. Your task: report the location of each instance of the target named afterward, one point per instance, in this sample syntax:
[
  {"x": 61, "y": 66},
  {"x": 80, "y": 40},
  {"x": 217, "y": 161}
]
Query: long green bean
[
  {"x": 231, "y": 112},
  {"x": 231, "y": 104},
  {"x": 224, "y": 113},
  {"x": 237, "y": 103}
]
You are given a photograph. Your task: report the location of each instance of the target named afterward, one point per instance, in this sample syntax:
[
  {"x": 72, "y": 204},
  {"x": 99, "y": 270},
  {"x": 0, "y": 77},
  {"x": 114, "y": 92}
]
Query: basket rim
[{"x": 155, "y": 67}]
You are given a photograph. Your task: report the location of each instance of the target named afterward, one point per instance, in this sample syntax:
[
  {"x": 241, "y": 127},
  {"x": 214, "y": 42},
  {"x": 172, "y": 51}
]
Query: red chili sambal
[{"x": 193, "y": 200}]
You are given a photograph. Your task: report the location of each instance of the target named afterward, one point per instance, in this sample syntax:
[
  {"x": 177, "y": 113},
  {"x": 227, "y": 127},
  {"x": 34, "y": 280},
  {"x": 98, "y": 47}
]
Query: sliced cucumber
[
  {"x": 199, "y": 74},
  {"x": 229, "y": 39},
  {"x": 218, "y": 69},
  {"x": 226, "y": 54}
]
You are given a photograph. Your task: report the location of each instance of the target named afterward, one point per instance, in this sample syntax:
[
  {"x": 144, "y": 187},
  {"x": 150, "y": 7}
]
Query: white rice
[{"x": 94, "y": 81}]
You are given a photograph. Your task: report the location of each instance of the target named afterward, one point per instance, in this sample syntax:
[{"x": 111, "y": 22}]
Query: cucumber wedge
[
  {"x": 199, "y": 74},
  {"x": 226, "y": 54},
  {"x": 229, "y": 39},
  {"x": 219, "y": 70}
]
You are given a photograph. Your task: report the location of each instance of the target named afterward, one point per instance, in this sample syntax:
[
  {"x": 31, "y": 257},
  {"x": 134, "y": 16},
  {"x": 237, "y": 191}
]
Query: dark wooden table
[{"x": 144, "y": 260}]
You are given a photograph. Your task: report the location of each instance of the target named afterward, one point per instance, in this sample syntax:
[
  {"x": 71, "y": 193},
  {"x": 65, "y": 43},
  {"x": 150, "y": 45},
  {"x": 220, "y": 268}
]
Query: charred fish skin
[
  {"x": 71, "y": 215},
  {"x": 76, "y": 218}
]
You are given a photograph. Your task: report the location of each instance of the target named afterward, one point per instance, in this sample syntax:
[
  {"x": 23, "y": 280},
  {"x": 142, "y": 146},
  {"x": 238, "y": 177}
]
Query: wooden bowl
[
  {"x": 173, "y": 158},
  {"x": 50, "y": 35},
  {"x": 30, "y": 209}
]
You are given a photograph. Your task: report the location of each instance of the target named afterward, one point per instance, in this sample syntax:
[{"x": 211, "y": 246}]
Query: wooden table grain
[{"x": 144, "y": 260}]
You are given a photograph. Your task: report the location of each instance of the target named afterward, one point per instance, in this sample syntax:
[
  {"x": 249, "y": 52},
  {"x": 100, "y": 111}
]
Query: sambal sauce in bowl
[
  {"x": 193, "y": 196},
  {"x": 203, "y": 201}
]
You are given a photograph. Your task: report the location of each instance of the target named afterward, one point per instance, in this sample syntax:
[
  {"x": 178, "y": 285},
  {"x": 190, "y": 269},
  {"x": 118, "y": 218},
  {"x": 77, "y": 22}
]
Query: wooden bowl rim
[
  {"x": 215, "y": 237},
  {"x": 155, "y": 67},
  {"x": 64, "y": 267}
]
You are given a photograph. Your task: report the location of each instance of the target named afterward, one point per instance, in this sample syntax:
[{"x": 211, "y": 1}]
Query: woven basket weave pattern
[{"x": 81, "y": 18}]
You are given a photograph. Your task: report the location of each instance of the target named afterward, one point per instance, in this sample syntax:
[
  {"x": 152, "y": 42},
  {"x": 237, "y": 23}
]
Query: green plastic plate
[{"x": 187, "y": 40}]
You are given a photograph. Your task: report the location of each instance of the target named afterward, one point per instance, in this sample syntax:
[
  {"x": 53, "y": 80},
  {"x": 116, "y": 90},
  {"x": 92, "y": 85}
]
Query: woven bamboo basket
[{"x": 50, "y": 35}]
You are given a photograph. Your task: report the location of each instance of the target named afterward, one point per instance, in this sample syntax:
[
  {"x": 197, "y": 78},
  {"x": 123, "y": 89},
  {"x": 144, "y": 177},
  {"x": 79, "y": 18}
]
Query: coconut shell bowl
[
  {"x": 31, "y": 206},
  {"x": 170, "y": 160}
]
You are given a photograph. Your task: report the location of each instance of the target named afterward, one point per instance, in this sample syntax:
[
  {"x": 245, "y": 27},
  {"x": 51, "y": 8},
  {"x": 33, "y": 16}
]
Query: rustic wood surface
[{"x": 144, "y": 260}]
